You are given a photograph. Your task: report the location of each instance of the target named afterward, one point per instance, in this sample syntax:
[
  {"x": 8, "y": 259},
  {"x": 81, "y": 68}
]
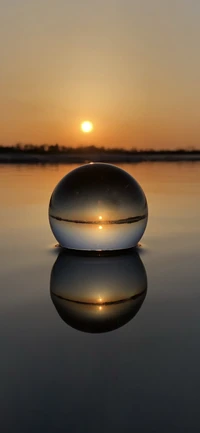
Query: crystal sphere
[
  {"x": 98, "y": 294},
  {"x": 98, "y": 207}
]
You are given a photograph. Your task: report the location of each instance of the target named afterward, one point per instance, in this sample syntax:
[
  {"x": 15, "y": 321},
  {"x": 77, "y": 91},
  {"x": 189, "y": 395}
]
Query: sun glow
[{"x": 87, "y": 126}]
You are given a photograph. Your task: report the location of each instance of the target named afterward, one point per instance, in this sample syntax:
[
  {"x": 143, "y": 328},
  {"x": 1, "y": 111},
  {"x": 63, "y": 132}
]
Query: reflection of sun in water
[
  {"x": 100, "y": 227},
  {"x": 86, "y": 126},
  {"x": 100, "y": 308}
]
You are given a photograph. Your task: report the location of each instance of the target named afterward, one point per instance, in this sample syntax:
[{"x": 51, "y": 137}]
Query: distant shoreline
[{"x": 76, "y": 158}]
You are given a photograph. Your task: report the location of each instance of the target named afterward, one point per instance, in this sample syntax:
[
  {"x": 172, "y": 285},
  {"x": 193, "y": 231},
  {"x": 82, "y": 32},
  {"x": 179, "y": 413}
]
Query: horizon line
[{"x": 46, "y": 148}]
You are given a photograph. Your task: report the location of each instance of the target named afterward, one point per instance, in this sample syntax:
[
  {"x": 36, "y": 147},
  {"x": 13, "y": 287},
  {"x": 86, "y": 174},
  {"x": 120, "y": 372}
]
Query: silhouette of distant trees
[{"x": 46, "y": 149}]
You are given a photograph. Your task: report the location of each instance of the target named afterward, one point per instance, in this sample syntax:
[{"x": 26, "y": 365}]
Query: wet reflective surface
[
  {"x": 98, "y": 294},
  {"x": 98, "y": 207},
  {"x": 143, "y": 376}
]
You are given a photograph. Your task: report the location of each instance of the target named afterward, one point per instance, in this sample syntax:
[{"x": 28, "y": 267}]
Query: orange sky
[{"x": 131, "y": 67}]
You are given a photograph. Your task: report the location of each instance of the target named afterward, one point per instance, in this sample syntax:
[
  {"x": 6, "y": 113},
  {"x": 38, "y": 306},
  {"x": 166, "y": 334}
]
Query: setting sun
[{"x": 87, "y": 126}]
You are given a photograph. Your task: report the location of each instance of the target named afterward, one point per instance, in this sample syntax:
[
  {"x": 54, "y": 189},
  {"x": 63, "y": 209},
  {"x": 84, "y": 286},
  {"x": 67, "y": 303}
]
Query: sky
[{"x": 132, "y": 67}]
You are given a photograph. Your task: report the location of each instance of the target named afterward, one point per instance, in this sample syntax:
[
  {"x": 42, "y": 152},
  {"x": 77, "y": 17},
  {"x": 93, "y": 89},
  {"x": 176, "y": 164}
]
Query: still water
[{"x": 139, "y": 371}]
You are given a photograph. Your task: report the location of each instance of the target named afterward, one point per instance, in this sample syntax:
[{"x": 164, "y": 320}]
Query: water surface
[{"x": 143, "y": 376}]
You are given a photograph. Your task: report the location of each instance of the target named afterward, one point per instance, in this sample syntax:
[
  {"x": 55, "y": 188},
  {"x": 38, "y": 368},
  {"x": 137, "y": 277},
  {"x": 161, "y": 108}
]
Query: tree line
[{"x": 57, "y": 149}]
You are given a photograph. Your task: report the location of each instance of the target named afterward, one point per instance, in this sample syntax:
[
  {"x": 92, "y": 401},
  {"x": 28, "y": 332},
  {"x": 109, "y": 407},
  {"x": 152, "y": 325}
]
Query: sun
[{"x": 86, "y": 126}]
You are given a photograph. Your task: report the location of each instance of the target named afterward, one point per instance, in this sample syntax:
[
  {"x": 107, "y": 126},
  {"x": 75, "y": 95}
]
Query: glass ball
[
  {"x": 98, "y": 294},
  {"x": 98, "y": 207}
]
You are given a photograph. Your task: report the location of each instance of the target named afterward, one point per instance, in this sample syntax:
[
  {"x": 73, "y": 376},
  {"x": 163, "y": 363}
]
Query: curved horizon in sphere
[
  {"x": 87, "y": 126},
  {"x": 98, "y": 294},
  {"x": 98, "y": 207}
]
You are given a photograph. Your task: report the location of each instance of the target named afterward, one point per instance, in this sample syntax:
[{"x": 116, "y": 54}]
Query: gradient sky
[{"x": 132, "y": 67}]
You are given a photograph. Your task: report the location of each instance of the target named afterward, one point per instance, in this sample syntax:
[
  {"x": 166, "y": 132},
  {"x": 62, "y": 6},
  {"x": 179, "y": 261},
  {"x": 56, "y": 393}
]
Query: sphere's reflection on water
[
  {"x": 98, "y": 294},
  {"x": 98, "y": 207}
]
